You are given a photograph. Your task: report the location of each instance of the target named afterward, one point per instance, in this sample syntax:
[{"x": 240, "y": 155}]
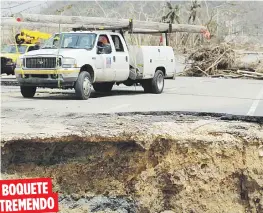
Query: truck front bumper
[{"x": 47, "y": 78}]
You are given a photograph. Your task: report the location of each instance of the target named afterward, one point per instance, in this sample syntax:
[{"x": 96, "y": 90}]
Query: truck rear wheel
[
  {"x": 83, "y": 86},
  {"x": 103, "y": 87},
  {"x": 28, "y": 92},
  {"x": 154, "y": 85}
]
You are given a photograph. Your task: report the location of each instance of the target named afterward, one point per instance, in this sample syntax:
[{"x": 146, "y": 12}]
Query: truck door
[
  {"x": 120, "y": 58},
  {"x": 104, "y": 59}
]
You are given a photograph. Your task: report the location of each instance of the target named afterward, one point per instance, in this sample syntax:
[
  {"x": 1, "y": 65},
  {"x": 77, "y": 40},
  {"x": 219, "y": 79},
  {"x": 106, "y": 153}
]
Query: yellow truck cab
[
  {"x": 10, "y": 54},
  {"x": 26, "y": 41},
  {"x": 13, "y": 51}
]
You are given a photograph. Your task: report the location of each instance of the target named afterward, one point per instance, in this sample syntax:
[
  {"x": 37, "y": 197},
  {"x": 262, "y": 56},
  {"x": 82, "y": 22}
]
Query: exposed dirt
[{"x": 147, "y": 163}]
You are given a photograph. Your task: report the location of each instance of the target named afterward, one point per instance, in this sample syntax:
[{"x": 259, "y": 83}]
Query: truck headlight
[{"x": 69, "y": 62}]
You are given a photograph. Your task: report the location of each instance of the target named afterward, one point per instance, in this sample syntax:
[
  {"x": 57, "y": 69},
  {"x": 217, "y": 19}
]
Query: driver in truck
[
  {"x": 103, "y": 41},
  {"x": 103, "y": 44}
]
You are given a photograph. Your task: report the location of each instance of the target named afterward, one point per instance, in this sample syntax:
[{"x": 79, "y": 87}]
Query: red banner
[{"x": 27, "y": 196}]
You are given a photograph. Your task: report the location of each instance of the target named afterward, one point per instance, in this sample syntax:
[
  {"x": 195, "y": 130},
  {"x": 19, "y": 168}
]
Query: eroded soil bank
[{"x": 151, "y": 164}]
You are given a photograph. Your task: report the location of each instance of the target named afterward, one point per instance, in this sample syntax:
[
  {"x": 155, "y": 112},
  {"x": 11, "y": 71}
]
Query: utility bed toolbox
[{"x": 148, "y": 58}]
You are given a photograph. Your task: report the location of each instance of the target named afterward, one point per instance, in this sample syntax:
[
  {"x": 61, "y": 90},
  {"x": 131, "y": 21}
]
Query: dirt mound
[{"x": 183, "y": 164}]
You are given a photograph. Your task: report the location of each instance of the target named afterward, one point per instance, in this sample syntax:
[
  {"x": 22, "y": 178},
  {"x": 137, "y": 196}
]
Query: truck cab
[
  {"x": 9, "y": 55},
  {"x": 81, "y": 60}
]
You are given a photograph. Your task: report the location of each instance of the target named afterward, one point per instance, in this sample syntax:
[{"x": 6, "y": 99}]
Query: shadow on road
[{"x": 71, "y": 95}]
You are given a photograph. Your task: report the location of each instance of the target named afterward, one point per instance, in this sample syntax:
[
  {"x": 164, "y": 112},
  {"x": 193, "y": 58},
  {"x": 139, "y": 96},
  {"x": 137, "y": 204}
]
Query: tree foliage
[
  {"x": 172, "y": 15},
  {"x": 193, "y": 11}
]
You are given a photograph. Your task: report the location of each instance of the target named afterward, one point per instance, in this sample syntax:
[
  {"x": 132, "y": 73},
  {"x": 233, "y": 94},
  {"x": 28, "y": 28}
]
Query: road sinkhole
[{"x": 183, "y": 165}]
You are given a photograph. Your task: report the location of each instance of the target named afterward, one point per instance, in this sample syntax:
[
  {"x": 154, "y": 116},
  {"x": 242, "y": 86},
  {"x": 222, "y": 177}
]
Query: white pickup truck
[{"x": 82, "y": 59}]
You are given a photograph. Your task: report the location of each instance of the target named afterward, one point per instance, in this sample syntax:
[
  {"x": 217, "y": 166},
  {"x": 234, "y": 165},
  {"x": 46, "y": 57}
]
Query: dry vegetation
[
  {"x": 206, "y": 61},
  {"x": 222, "y": 61}
]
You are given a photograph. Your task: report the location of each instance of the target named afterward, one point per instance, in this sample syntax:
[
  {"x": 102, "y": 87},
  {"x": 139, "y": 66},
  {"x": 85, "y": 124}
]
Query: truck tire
[
  {"x": 103, "y": 87},
  {"x": 146, "y": 84},
  {"x": 154, "y": 85},
  {"x": 28, "y": 92},
  {"x": 83, "y": 86}
]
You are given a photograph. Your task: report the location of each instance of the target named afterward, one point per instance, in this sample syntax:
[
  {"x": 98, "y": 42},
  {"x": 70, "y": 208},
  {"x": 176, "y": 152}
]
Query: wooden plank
[{"x": 116, "y": 23}]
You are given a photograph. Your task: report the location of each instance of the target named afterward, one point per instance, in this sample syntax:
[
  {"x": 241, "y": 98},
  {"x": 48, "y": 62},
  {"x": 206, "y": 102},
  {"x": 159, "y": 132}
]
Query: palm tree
[{"x": 172, "y": 15}]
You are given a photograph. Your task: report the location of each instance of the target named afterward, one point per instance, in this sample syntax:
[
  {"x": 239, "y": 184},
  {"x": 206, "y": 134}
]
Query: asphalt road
[{"x": 232, "y": 96}]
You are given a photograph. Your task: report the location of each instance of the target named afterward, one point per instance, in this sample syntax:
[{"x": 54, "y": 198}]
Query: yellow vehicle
[
  {"x": 30, "y": 37},
  {"x": 25, "y": 41},
  {"x": 13, "y": 51},
  {"x": 10, "y": 54}
]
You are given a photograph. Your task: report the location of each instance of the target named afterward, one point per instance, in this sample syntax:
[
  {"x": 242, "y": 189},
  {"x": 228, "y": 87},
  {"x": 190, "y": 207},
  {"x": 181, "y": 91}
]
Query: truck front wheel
[
  {"x": 28, "y": 92},
  {"x": 103, "y": 87},
  {"x": 83, "y": 86},
  {"x": 154, "y": 85}
]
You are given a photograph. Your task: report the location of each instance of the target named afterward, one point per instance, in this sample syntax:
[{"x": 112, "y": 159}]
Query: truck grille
[{"x": 43, "y": 62}]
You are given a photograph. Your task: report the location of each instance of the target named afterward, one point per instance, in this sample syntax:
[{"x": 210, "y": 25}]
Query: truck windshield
[
  {"x": 71, "y": 40},
  {"x": 12, "y": 49}
]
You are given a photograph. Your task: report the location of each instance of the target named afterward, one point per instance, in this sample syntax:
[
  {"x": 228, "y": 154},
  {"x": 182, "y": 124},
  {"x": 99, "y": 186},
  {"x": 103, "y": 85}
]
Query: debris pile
[
  {"x": 223, "y": 61},
  {"x": 207, "y": 61}
]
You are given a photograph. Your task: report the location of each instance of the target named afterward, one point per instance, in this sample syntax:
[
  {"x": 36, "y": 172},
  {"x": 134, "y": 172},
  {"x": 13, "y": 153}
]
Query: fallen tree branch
[
  {"x": 201, "y": 70},
  {"x": 226, "y": 76},
  {"x": 250, "y": 73},
  {"x": 217, "y": 61},
  {"x": 252, "y": 76}
]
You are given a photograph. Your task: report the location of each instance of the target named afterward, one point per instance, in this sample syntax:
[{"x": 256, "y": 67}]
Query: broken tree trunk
[{"x": 116, "y": 23}]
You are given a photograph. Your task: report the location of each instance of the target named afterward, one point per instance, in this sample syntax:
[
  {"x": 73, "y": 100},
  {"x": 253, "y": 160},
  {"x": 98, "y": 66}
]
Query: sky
[{"x": 11, "y": 7}]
